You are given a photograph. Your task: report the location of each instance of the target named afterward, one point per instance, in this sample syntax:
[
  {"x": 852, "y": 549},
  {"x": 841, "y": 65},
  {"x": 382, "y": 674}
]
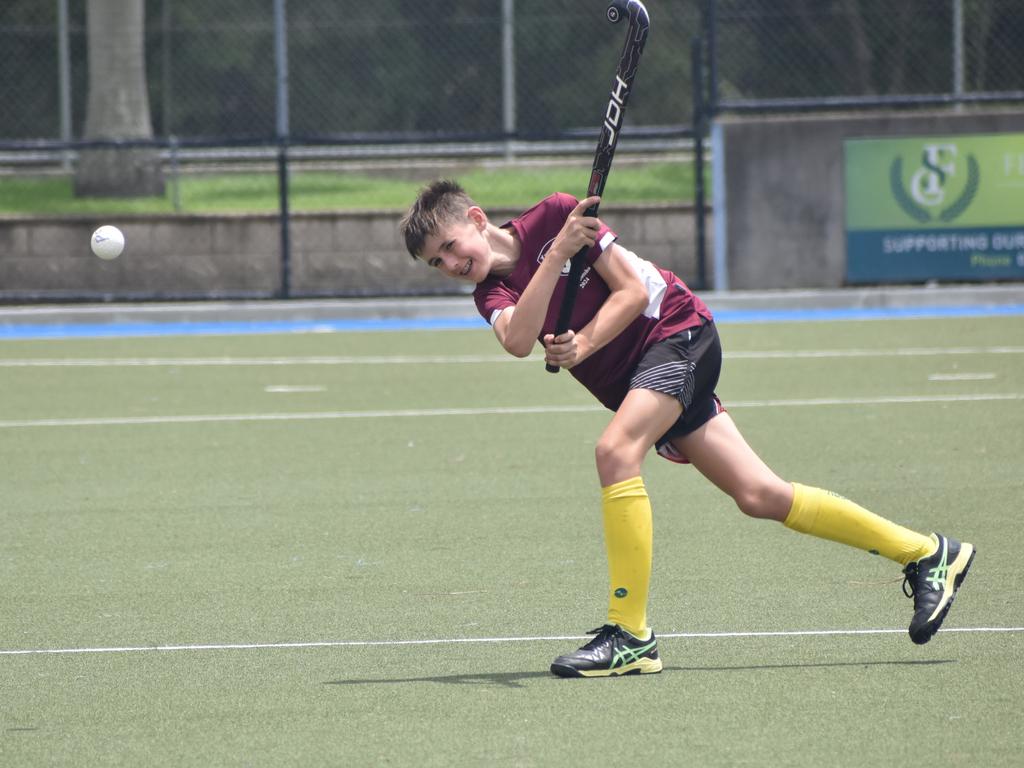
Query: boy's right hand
[{"x": 579, "y": 231}]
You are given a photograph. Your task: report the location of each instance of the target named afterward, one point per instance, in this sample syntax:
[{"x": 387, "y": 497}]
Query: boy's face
[{"x": 460, "y": 250}]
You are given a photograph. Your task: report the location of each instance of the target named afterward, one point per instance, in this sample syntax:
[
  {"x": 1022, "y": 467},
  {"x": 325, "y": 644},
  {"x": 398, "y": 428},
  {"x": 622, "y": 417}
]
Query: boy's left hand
[{"x": 562, "y": 350}]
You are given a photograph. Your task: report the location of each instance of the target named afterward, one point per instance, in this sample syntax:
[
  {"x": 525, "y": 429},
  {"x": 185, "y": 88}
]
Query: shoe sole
[
  {"x": 932, "y": 626},
  {"x": 641, "y": 667}
]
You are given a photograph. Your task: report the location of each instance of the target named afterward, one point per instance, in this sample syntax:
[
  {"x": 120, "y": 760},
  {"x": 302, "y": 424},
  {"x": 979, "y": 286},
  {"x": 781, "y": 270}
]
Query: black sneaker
[
  {"x": 613, "y": 652},
  {"x": 933, "y": 581}
]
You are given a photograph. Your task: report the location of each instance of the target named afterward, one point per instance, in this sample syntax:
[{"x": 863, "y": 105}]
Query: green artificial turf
[{"x": 401, "y": 575}]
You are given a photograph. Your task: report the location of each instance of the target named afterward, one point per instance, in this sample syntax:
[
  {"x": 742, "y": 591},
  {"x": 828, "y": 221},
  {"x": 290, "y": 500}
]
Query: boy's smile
[
  {"x": 464, "y": 250},
  {"x": 459, "y": 251}
]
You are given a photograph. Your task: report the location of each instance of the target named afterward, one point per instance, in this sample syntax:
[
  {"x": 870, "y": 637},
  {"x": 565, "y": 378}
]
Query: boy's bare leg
[
  {"x": 643, "y": 416},
  {"x": 721, "y": 454},
  {"x": 935, "y": 566},
  {"x": 641, "y": 419}
]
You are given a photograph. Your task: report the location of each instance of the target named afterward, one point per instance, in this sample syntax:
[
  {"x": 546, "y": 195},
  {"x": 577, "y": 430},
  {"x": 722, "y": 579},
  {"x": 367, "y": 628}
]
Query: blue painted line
[
  {"x": 230, "y": 328},
  {"x": 233, "y": 328}
]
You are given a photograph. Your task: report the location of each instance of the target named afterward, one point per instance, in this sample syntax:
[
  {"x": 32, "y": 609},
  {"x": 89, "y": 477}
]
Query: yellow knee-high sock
[
  {"x": 628, "y": 538},
  {"x": 828, "y": 515}
]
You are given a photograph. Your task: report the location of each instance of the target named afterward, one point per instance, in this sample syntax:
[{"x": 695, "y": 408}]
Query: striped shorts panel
[
  {"x": 685, "y": 366},
  {"x": 672, "y": 378}
]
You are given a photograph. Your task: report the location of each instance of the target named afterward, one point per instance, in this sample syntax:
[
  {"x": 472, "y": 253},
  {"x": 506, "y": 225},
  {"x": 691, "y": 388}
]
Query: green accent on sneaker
[
  {"x": 614, "y": 651},
  {"x": 627, "y": 655},
  {"x": 621, "y": 592},
  {"x": 938, "y": 574},
  {"x": 933, "y": 581}
]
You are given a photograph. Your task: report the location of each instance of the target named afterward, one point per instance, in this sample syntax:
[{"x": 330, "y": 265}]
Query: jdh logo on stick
[{"x": 616, "y": 104}]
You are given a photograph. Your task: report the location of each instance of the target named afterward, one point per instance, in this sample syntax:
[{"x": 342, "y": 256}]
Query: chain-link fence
[
  {"x": 806, "y": 53},
  {"x": 356, "y": 70},
  {"x": 496, "y": 68},
  {"x": 218, "y": 88}
]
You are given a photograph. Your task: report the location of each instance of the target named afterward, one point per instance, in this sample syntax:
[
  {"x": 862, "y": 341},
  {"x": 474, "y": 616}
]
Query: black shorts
[{"x": 685, "y": 366}]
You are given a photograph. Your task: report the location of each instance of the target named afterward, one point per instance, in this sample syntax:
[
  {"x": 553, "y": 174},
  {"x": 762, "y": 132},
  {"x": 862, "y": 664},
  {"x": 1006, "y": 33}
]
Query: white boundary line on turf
[
  {"x": 781, "y": 354},
  {"x": 475, "y": 640},
  {"x": 129, "y": 362},
  {"x": 434, "y": 412}
]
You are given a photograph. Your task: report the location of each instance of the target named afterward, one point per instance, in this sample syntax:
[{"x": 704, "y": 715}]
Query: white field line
[
  {"x": 986, "y": 376},
  {"x": 436, "y": 412},
  {"x": 184, "y": 362},
  {"x": 143, "y": 362},
  {"x": 325, "y": 415},
  {"x": 475, "y": 641},
  {"x": 793, "y": 354}
]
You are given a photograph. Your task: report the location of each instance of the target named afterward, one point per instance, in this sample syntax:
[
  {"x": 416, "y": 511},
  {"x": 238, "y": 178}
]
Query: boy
[{"x": 648, "y": 349}]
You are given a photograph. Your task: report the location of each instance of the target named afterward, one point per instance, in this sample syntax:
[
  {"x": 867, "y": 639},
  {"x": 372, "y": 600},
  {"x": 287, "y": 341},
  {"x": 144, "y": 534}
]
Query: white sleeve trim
[
  {"x": 496, "y": 314},
  {"x": 653, "y": 282}
]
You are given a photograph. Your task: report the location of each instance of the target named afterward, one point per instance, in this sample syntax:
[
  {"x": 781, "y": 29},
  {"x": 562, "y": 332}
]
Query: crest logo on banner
[{"x": 927, "y": 194}]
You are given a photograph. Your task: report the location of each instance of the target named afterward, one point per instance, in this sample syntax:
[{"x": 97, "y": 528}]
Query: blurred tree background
[{"x": 436, "y": 66}]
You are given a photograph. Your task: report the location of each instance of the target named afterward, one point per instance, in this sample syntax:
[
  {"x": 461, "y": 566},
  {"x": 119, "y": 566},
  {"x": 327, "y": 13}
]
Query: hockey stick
[{"x": 636, "y": 36}]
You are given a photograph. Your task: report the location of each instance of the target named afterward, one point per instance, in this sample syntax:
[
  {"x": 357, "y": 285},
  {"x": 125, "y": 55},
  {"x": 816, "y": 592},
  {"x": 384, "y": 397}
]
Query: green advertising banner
[{"x": 935, "y": 208}]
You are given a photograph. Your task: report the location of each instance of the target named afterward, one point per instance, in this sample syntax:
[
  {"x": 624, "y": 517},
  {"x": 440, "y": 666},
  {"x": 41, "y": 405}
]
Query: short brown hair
[{"x": 437, "y": 205}]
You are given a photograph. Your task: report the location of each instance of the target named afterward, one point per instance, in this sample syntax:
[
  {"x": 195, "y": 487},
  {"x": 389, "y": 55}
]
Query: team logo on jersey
[
  {"x": 584, "y": 275},
  {"x": 544, "y": 252}
]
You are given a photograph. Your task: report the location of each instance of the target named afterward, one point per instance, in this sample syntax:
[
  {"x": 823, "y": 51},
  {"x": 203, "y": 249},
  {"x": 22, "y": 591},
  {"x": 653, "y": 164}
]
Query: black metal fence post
[
  {"x": 711, "y": 35},
  {"x": 283, "y": 212},
  {"x": 699, "y": 130},
  {"x": 283, "y": 133}
]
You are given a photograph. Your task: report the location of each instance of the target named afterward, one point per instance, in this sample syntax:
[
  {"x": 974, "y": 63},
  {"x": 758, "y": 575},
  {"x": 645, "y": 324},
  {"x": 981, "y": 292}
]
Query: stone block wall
[{"x": 347, "y": 253}]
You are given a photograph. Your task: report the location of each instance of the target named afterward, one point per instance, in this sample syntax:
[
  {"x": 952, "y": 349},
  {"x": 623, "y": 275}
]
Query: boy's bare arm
[
  {"x": 517, "y": 330},
  {"x": 627, "y": 300},
  {"x": 517, "y": 327}
]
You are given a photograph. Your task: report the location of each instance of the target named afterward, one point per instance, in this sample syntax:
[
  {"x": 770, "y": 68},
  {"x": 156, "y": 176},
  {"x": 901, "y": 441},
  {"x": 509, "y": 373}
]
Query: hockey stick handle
[
  {"x": 571, "y": 288},
  {"x": 629, "y": 60}
]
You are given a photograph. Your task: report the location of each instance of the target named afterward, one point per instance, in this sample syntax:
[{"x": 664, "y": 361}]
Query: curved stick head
[{"x": 621, "y": 8}]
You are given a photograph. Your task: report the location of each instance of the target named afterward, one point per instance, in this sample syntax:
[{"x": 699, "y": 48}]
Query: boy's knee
[
  {"x": 605, "y": 453},
  {"x": 765, "y": 501},
  {"x": 614, "y": 460}
]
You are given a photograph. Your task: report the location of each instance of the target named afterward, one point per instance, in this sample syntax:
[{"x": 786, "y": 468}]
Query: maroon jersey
[{"x": 672, "y": 307}]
